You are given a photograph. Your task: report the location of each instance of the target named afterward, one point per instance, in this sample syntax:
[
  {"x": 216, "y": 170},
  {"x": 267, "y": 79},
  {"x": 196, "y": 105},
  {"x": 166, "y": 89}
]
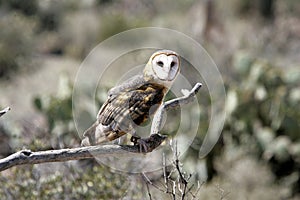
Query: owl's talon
[
  {"x": 148, "y": 144},
  {"x": 143, "y": 145},
  {"x": 134, "y": 139}
]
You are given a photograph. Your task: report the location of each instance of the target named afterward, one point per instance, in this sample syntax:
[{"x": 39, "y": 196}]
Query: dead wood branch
[
  {"x": 28, "y": 157},
  {"x": 5, "y": 110}
]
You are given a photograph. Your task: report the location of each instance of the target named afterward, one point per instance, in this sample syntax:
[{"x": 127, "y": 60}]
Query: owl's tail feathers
[
  {"x": 89, "y": 136},
  {"x": 97, "y": 134}
]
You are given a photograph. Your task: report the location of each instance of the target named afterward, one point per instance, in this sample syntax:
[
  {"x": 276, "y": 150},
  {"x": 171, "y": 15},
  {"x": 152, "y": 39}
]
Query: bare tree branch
[
  {"x": 148, "y": 190},
  {"x": 172, "y": 104},
  {"x": 153, "y": 141},
  {"x": 198, "y": 189},
  {"x": 28, "y": 157},
  {"x": 176, "y": 183},
  {"x": 5, "y": 110}
]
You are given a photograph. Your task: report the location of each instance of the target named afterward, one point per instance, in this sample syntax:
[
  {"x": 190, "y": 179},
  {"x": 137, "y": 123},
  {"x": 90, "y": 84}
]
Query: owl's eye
[
  {"x": 172, "y": 64},
  {"x": 160, "y": 63}
]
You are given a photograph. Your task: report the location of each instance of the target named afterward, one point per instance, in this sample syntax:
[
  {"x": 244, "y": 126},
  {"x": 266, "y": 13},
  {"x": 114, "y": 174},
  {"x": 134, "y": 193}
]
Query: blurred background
[{"x": 255, "y": 44}]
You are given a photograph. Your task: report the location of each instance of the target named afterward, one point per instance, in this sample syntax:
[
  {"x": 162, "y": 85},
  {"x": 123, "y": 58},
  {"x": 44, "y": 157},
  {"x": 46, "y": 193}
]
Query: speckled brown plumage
[
  {"x": 131, "y": 107},
  {"x": 131, "y": 103}
]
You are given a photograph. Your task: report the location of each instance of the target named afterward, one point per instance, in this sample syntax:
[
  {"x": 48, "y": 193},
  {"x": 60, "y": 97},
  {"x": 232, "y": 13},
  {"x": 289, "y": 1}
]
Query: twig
[
  {"x": 29, "y": 157},
  {"x": 198, "y": 189},
  {"x": 147, "y": 180},
  {"x": 172, "y": 104},
  {"x": 174, "y": 189},
  {"x": 222, "y": 192},
  {"x": 165, "y": 172},
  {"x": 178, "y": 187},
  {"x": 182, "y": 179},
  {"x": 190, "y": 189},
  {"x": 5, "y": 110},
  {"x": 148, "y": 190}
]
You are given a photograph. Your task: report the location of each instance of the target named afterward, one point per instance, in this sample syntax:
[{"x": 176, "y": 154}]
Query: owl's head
[{"x": 163, "y": 66}]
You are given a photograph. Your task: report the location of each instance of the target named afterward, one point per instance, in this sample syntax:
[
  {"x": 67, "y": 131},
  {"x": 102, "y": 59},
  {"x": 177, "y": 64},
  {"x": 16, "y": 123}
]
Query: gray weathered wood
[
  {"x": 5, "y": 110},
  {"x": 29, "y": 157}
]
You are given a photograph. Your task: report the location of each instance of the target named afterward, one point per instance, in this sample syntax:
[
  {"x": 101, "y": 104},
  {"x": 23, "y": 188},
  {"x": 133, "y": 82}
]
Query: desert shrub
[
  {"x": 29, "y": 7},
  {"x": 113, "y": 24},
  {"x": 62, "y": 182},
  {"x": 57, "y": 109},
  {"x": 264, "y": 119},
  {"x": 17, "y": 45},
  {"x": 50, "y": 16}
]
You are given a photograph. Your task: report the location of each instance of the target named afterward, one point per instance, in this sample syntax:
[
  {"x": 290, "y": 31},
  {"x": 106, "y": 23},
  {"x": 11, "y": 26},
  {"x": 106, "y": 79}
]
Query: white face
[{"x": 166, "y": 67}]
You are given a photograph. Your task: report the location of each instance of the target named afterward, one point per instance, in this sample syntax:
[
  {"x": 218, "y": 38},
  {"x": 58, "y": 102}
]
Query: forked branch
[{"x": 61, "y": 155}]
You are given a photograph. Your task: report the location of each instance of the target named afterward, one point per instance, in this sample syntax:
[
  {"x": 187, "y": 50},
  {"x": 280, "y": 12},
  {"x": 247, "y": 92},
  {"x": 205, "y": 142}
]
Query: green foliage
[
  {"x": 274, "y": 98},
  {"x": 28, "y": 7},
  {"x": 57, "y": 108},
  {"x": 104, "y": 2},
  {"x": 47, "y": 182},
  {"x": 263, "y": 117},
  {"x": 50, "y": 16},
  {"x": 117, "y": 23},
  {"x": 16, "y": 33}
]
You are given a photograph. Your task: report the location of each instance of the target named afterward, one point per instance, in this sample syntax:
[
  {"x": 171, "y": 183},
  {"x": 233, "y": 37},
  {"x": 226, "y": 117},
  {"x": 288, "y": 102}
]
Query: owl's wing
[
  {"x": 114, "y": 110},
  {"x": 132, "y": 83},
  {"x": 131, "y": 106},
  {"x": 107, "y": 126},
  {"x": 113, "y": 121},
  {"x": 120, "y": 112}
]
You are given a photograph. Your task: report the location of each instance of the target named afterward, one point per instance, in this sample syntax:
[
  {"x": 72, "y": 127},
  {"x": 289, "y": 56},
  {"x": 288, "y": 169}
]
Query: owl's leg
[
  {"x": 138, "y": 141},
  {"x": 141, "y": 142},
  {"x": 148, "y": 144}
]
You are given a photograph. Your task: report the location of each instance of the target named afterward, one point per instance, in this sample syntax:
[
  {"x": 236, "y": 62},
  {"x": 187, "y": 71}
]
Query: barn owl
[{"x": 131, "y": 103}]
